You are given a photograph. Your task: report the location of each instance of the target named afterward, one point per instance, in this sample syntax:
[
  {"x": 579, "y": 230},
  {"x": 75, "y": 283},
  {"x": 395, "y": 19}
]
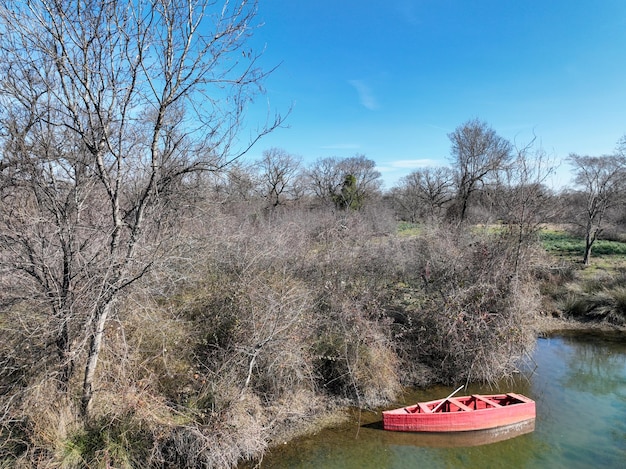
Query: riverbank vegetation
[
  {"x": 270, "y": 322},
  {"x": 260, "y": 325},
  {"x": 589, "y": 294},
  {"x": 165, "y": 303}
]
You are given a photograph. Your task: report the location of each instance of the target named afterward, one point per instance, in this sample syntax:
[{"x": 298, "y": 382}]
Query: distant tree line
[
  {"x": 488, "y": 180},
  {"x": 279, "y": 179}
]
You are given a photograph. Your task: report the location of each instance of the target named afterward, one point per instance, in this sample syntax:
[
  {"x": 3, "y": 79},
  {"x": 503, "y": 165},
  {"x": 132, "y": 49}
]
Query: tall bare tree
[
  {"x": 478, "y": 153},
  {"x": 425, "y": 192},
  {"x": 107, "y": 110},
  {"x": 344, "y": 182},
  {"x": 279, "y": 172},
  {"x": 602, "y": 186},
  {"x": 523, "y": 199}
]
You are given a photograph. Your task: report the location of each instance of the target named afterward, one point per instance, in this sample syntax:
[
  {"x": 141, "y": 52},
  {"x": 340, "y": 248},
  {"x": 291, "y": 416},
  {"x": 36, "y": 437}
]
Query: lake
[{"x": 579, "y": 385}]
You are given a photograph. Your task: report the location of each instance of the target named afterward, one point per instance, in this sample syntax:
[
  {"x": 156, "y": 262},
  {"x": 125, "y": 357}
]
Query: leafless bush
[
  {"x": 262, "y": 314},
  {"x": 466, "y": 316},
  {"x": 222, "y": 442},
  {"x": 354, "y": 358}
]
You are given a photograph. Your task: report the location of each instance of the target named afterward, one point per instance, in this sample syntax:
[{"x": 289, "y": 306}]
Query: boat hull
[
  {"x": 468, "y": 413},
  {"x": 458, "y": 439}
]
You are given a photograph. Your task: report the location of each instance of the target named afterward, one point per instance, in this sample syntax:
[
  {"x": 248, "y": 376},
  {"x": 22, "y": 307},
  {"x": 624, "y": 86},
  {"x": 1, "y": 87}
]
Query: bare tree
[
  {"x": 237, "y": 183},
  {"x": 367, "y": 178},
  {"x": 478, "y": 153},
  {"x": 344, "y": 182},
  {"x": 523, "y": 200},
  {"x": 621, "y": 146},
  {"x": 601, "y": 180},
  {"x": 322, "y": 178},
  {"x": 108, "y": 108},
  {"x": 426, "y": 192},
  {"x": 279, "y": 175}
]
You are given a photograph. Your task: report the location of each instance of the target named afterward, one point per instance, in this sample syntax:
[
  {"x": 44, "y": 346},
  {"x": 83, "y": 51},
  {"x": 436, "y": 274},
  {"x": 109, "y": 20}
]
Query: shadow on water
[{"x": 578, "y": 384}]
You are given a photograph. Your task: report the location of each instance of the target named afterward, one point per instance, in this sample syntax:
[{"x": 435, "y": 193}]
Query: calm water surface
[{"x": 579, "y": 385}]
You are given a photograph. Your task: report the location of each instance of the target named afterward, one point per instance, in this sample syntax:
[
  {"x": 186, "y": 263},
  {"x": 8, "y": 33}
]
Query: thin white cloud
[
  {"x": 438, "y": 127},
  {"x": 385, "y": 169},
  {"x": 366, "y": 95}
]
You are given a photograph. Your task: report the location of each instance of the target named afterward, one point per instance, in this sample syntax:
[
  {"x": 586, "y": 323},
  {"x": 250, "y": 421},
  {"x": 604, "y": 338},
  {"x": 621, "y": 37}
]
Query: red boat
[{"x": 459, "y": 414}]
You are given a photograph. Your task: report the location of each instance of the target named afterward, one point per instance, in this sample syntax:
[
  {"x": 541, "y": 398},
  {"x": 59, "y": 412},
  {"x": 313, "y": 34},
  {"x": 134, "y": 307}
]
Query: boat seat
[
  {"x": 518, "y": 397},
  {"x": 424, "y": 408},
  {"x": 460, "y": 405},
  {"x": 487, "y": 401}
]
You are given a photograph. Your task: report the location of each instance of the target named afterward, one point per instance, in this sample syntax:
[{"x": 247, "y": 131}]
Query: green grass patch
[
  {"x": 609, "y": 248},
  {"x": 562, "y": 243},
  {"x": 406, "y": 228},
  {"x": 558, "y": 242},
  {"x": 121, "y": 444}
]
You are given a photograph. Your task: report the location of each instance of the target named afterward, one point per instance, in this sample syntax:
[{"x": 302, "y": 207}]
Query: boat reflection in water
[{"x": 456, "y": 439}]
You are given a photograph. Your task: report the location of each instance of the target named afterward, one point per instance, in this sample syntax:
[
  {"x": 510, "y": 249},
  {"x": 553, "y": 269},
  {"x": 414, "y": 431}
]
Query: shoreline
[
  {"x": 545, "y": 326},
  {"x": 548, "y": 326}
]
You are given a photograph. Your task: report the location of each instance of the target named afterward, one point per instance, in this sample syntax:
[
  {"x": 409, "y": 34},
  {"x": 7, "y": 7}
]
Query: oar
[{"x": 441, "y": 403}]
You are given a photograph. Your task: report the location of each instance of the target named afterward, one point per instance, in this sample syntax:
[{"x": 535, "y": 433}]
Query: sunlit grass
[
  {"x": 564, "y": 244},
  {"x": 607, "y": 257},
  {"x": 598, "y": 303},
  {"x": 406, "y": 228},
  {"x": 596, "y": 292}
]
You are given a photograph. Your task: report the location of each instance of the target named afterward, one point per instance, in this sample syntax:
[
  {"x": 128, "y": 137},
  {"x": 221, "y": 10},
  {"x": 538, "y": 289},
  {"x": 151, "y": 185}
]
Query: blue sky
[{"x": 390, "y": 79}]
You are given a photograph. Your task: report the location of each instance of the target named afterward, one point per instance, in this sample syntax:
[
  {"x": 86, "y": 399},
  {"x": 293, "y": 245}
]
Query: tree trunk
[
  {"x": 587, "y": 255},
  {"x": 92, "y": 359},
  {"x": 590, "y": 237},
  {"x": 65, "y": 359}
]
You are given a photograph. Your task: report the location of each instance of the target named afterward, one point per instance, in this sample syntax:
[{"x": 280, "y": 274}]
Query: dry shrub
[
  {"x": 140, "y": 430},
  {"x": 294, "y": 413},
  {"x": 377, "y": 373},
  {"x": 149, "y": 350},
  {"x": 465, "y": 313},
  {"x": 263, "y": 311},
  {"x": 488, "y": 331},
  {"x": 132, "y": 422},
  {"x": 276, "y": 313},
  {"x": 354, "y": 358},
  {"x": 251, "y": 331},
  {"x": 227, "y": 438},
  {"x": 35, "y": 415},
  {"x": 606, "y": 304},
  {"x": 259, "y": 314},
  {"x": 52, "y": 434},
  {"x": 36, "y": 428}
]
